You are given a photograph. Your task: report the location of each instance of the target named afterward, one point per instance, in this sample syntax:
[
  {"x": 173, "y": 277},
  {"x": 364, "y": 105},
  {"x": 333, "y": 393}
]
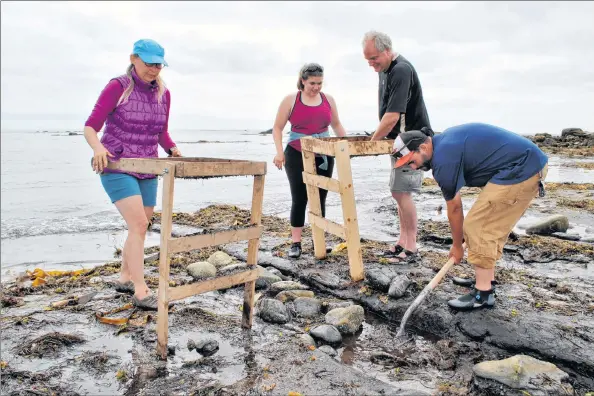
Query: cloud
[{"x": 523, "y": 65}]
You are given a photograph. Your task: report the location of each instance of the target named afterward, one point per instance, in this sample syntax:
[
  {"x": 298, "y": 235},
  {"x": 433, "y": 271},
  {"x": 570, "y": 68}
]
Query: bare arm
[
  {"x": 282, "y": 117},
  {"x": 389, "y": 120},
  {"x": 456, "y": 219},
  {"x": 335, "y": 124}
]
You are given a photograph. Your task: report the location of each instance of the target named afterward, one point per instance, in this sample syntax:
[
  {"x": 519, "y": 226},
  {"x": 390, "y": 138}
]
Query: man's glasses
[{"x": 157, "y": 65}]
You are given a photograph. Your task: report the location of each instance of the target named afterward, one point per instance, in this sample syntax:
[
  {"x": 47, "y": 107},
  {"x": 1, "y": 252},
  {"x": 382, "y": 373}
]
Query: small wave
[{"x": 67, "y": 225}]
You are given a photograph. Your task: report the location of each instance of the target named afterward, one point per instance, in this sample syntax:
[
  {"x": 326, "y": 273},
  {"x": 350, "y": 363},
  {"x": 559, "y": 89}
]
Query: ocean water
[{"x": 55, "y": 213}]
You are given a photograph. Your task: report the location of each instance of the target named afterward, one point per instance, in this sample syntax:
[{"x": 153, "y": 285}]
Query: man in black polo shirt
[{"x": 401, "y": 108}]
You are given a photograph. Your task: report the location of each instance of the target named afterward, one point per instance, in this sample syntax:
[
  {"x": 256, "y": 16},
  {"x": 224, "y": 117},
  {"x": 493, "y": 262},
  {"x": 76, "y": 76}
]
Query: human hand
[
  {"x": 175, "y": 152},
  {"x": 99, "y": 161},
  {"x": 457, "y": 253},
  {"x": 279, "y": 160}
]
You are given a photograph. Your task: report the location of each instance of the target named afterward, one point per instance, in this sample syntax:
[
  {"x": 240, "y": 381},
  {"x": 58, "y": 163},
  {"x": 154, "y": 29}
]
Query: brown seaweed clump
[{"x": 48, "y": 344}]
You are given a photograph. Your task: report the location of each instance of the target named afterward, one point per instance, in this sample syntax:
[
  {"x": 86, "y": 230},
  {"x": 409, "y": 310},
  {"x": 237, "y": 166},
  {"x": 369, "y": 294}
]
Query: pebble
[
  {"x": 398, "y": 286},
  {"x": 290, "y": 295},
  {"x": 341, "y": 304},
  {"x": 201, "y": 270},
  {"x": 273, "y": 311},
  {"x": 328, "y": 350},
  {"x": 307, "y": 307},
  {"x": 220, "y": 259},
  {"x": 326, "y": 333},
  {"x": 288, "y": 285},
  {"x": 557, "y": 223},
  {"x": 306, "y": 340},
  {"x": 565, "y": 236},
  {"x": 232, "y": 269},
  {"x": 206, "y": 347},
  {"x": 347, "y": 320}
]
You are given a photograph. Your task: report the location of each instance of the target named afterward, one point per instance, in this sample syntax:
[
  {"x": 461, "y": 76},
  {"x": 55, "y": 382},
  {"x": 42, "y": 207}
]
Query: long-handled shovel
[{"x": 434, "y": 282}]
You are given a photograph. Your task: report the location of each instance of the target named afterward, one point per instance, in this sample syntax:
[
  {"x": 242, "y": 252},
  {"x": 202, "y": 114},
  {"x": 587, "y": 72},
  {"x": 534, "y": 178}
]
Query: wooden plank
[
  {"x": 314, "y": 204},
  {"x": 139, "y": 165},
  {"x": 327, "y": 183},
  {"x": 358, "y": 149},
  {"x": 195, "y": 169},
  {"x": 163, "y": 298},
  {"x": 349, "y": 210},
  {"x": 252, "y": 257},
  {"x": 197, "y": 159},
  {"x": 185, "y": 244},
  {"x": 192, "y": 289},
  {"x": 317, "y": 146},
  {"x": 327, "y": 225}
]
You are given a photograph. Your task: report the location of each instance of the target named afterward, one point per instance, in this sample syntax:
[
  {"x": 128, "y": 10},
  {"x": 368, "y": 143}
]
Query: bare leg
[
  {"x": 296, "y": 234},
  {"x": 125, "y": 271},
  {"x": 484, "y": 277},
  {"x": 407, "y": 213},
  {"x": 134, "y": 214}
]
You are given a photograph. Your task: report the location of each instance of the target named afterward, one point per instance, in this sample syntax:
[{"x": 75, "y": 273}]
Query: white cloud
[{"x": 523, "y": 65}]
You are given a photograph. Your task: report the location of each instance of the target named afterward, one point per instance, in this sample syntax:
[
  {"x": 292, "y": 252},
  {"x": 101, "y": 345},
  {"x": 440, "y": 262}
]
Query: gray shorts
[{"x": 405, "y": 179}]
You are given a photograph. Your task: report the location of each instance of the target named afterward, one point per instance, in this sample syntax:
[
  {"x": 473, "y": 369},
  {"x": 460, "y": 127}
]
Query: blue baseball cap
[{"x": 149, "y": 51}]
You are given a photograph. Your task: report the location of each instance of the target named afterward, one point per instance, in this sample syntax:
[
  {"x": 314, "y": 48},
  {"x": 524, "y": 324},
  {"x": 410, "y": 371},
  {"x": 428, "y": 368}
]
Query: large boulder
[
  {"x": 520, "y": 373},
  {"x": 347, "y": 320},
  {"x": 573, "y": 132},
  {"x": 548, "y": 226}
]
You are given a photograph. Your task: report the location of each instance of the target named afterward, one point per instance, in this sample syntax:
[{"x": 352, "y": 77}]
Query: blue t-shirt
[{"x": 475, "y": 154}]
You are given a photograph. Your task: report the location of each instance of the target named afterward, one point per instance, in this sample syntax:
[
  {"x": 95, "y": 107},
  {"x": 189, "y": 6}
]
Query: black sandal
[
  {"x": 409, "y": 257},
  {"x": 397, "y": 250}
]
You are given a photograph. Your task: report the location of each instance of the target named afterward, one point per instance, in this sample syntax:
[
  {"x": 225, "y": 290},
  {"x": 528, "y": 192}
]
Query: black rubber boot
[
  {"x": 476, "y": 299},
  {"x": 295, "y": 250}
]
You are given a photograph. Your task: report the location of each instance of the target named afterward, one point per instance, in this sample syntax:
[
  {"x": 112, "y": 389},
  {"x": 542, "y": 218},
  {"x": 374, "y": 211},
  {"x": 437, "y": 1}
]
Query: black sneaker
[
  {"x": 476, "y": 299},
  {"x": 295, "y": 250}
]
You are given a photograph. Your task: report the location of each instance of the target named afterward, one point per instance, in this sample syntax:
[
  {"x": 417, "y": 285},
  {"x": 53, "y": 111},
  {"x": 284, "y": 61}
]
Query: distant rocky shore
[{"x": 572, "y": 142}]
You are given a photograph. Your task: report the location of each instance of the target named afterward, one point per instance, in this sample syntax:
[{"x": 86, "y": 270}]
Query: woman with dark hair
[{"x": 310, "y": 112}]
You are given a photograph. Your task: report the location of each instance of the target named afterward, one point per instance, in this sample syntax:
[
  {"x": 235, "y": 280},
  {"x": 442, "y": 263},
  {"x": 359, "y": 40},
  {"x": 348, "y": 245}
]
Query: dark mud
[{"x": 545, "y": 309}]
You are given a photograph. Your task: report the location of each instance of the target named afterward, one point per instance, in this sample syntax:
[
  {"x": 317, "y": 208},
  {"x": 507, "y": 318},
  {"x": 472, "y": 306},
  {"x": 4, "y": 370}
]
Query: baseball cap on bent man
[
  {"x": 406, "y": 143},
  {"x": 149, "y": 51}
]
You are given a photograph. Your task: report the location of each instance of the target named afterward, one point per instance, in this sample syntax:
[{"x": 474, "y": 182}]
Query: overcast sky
[{"x": 525, "y": 66}]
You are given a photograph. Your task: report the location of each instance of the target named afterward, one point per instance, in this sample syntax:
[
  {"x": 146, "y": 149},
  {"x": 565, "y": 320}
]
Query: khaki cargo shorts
[
  {"x": 493, "y": 217},
  {"x": 405, "y": 179}
]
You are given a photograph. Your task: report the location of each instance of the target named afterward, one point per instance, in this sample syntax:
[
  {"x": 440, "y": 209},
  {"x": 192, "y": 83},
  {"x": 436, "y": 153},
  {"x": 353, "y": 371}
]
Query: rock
[
  {"x": 204, "y": 347},
  {"x": 589, "y": 239},
  {"x": 220, "y": 259},
  {"x": 290, "y": 295},
  {"x": 328, "y": 334},
  {"x": 573, "y": 132},
  {"x": 398, "y": 286},
  {"x": 273, "y": 311},
  {"x": 557, "y": 223},
  {"x": 565, "y": 236},
  {"x": 306, "y": 340},
  {"x": 275, "y": 271},
  {"x": 267, "y": 132},
  {"x": 557, "y": 304},
  {"x": 328, "y": 350},
  {"x": 379, "y": 278},
  {"x": 96, "y": 279},
  {"x": 307, "y": 307},
  {"x": 524, "y": 373},
  {"x": 539, "y": 138},
  {"x": 266, "y": 279},
  {"x": 327, "y": 279},
  {"x": 232, "y": 269},
  {"x": 347, "y": 320},
  {"x": 341, "y": 304},
  {"x": 288, "y": 285},
  {"x": 201, "y": 270}
]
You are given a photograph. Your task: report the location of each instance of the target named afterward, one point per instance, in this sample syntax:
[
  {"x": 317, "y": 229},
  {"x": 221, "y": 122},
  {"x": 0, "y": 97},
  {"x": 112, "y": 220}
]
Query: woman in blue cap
[{"x": 135, "y": 110}]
